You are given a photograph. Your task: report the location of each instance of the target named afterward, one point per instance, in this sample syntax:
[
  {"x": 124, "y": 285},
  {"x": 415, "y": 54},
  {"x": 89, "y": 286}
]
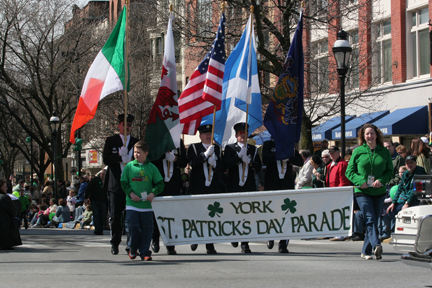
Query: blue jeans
[
  {"x": 139, "y": 226},
  {"x": 359, "y": 223},
  {"x": 100, "y": 210},
  {"x": 371, "y": 208},
  {"x": 392, "y": 214}
]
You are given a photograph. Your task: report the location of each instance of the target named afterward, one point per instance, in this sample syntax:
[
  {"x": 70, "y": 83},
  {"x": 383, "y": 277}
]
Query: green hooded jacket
[
  {"x": 360, "y": 167},
  {"x": 405, "y": 192}
]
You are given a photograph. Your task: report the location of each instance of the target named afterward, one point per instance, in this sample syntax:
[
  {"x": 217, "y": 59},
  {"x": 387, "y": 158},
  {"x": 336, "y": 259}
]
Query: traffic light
[{"x": 78, "y": 143}]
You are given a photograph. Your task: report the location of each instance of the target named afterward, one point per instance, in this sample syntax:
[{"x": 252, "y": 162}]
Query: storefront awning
[
  {"x": 406, "y": 121},
  {"x": 352, "y": 128},
  {"x": 324, "y": 131}
]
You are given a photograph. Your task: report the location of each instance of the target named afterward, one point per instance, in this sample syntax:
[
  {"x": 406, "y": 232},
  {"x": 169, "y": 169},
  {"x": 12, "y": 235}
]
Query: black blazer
[
  {"x": 231, "y": 161},
  {"x": 272, "y": 180},
  {"x": 196, "y": 158},
  {"x": 112, "y": 159},
  {"x": 173, "y": 187}
]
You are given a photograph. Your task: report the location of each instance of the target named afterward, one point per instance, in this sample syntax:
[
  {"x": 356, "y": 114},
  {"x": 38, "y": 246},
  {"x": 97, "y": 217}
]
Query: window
[
  {"x": 382, "y": 56},
  {"x": 418, "y": 46},
  {"x": 319, "y": 68},
  {"x": 353, "y": 74},
  {"x": 204, "y": 17},
  {"x": 159, "y": 46}
]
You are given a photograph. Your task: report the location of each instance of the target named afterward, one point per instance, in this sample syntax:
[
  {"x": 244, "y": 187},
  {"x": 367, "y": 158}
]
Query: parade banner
[{"x": 254, "y": 216}]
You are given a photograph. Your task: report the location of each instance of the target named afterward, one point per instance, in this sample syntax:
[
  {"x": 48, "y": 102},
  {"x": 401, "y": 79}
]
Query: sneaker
[
  {"x": 338, "y": 239},
  {"x": 357, "y": 238},
  {"x": 378, "y": 252},
  {"x": 366, "y": 257},
  {"x": 147, "y": 258},
  {"x": 132, "y": 256},
  {"x": 171, "y": 252},
  {"x": 382, "y": 238},
  {"x": 194, "y": 247}
]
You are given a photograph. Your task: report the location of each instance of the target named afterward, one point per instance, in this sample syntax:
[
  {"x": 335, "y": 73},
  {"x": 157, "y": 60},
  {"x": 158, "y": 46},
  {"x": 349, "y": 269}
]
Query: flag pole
[
  {"x": 126, "y": 65},
  {"x": 247, "y": 104},
  {"x": 214, "y": 115},
  {"x": 169, "y": 162}
]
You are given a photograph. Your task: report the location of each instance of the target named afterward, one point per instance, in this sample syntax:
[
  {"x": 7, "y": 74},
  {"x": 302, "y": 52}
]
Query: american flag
[{"x": 204, "y": 89}]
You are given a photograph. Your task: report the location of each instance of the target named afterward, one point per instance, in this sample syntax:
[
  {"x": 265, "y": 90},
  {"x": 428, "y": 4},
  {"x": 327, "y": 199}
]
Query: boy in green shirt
[{"x": 141, "y": 181}]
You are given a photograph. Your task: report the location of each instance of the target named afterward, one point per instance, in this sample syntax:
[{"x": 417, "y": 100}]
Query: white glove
[
  {"x": 242, "y": 152},
  {"x": 209, "y": 151},
  {"x": 285, "y": 160},
  {"x": 123, "y": 151},
  {"x": 169, "y": 156},
  {"x": 126, "y": 159},
  {"x": 246, "y": 159},
  {"x": 212, "y": 161}
]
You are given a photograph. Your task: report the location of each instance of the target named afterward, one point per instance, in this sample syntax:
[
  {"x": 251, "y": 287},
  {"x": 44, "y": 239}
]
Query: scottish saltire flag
[
  {"x": 163, "y": 126},
  {"x": 204, "y": 89},
  {"x": 105, "y": 76},
  {"x": 240, "y": 85},
  {"x": 283, "y": 118}
]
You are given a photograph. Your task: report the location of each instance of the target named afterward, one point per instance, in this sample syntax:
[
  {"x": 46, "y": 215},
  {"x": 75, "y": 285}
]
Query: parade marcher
[
  {"x": 242, "y": 163},
  {"x": 19, "y": 186},
  {"x": 99, "y": 201},
  {"x": 169, "y": 165},
  {"x": 116, "y": 156},
  {"x": 203, "y": 179},
  {"x": 141, "y": 182},
  {"x": 370, "y": 169},
  {"x": 278, "y": 176}
]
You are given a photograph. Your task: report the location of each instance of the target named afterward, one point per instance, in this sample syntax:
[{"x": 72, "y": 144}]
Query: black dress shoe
[
  {"x": 114, "y": 250},
  {"x": 171, "y": 252},
  {"x": 270, "y": 244},
  {"x": 194, "y": 247},
  {"x": 211, "y": 251},
  {"x": 96, "y": 232},
  {"x": 246, "y": 250},
  {"x": 283, "y": 250},
  {"x": 234, "y": 244},
  {"x": 155, "y": 246},
  {"x": 127, "y": 249}
]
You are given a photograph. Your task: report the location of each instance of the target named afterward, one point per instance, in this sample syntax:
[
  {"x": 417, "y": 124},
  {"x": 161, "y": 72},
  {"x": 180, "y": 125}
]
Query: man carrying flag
[
  {"x": 203, "y": 93},
  {"x": 241, "y": 91},
  {"x": 283, "y": 121},
  {"x": 285, "y": 110},
  {"x": 163, "y": 126},
  {"x": 105, "y": 76}
]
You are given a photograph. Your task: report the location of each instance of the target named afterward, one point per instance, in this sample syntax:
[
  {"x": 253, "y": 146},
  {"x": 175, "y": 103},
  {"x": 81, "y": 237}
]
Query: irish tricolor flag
[
  {"x": 105, "y": 76},
  {"x": 163, "y": 126}
]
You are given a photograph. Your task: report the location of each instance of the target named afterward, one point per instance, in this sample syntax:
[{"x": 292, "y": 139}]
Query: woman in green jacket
[{"x": 370, "y": 169}]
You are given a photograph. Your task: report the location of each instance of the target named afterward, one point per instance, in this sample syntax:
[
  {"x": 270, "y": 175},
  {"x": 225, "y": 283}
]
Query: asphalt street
[{"x": 77, "y": 258}]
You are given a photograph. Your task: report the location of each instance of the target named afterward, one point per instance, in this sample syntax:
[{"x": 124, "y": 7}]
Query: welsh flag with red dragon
[{"x": 163, "y": 126}]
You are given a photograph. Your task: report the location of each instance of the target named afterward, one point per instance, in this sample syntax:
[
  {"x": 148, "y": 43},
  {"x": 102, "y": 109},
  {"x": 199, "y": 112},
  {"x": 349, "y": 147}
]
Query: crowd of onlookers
[{"x": 43, "y": 208}]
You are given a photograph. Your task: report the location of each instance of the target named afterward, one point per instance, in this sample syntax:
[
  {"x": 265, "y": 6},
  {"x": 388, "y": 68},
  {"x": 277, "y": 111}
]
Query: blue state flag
[
  {"x": 283, "y": 118},
  {"x": 240, "y": 86}
]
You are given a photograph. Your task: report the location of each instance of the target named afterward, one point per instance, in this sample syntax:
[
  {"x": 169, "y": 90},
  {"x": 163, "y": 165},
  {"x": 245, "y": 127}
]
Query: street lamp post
[
  {"x": 342, "y": 52},
  {"x": 54, "y": 121}
]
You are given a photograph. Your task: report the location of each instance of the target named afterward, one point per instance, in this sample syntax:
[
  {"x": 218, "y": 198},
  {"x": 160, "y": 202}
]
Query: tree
[
  {"x": 275, "y": 22},
  {"x": 41, "y": 61}
]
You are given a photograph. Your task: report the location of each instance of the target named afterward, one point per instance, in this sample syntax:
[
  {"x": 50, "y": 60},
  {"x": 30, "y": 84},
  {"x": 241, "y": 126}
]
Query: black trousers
[
  {"x": 156, "y": 234},
  {"x": 117, "y": 204}
]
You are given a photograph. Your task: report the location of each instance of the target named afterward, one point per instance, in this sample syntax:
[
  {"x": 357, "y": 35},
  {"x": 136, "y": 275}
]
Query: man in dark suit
[
  {"x": 244, "y": 157},
  {"x": 205, "y": 159},
  {"x": 169, "y": 165},
  {"x": 116, "y": 156},
  {"x": 279, "y": 176}
]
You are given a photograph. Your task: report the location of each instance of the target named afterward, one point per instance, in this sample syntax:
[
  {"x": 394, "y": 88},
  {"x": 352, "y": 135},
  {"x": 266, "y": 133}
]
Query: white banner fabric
[{"x": 254, "y": 216}]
